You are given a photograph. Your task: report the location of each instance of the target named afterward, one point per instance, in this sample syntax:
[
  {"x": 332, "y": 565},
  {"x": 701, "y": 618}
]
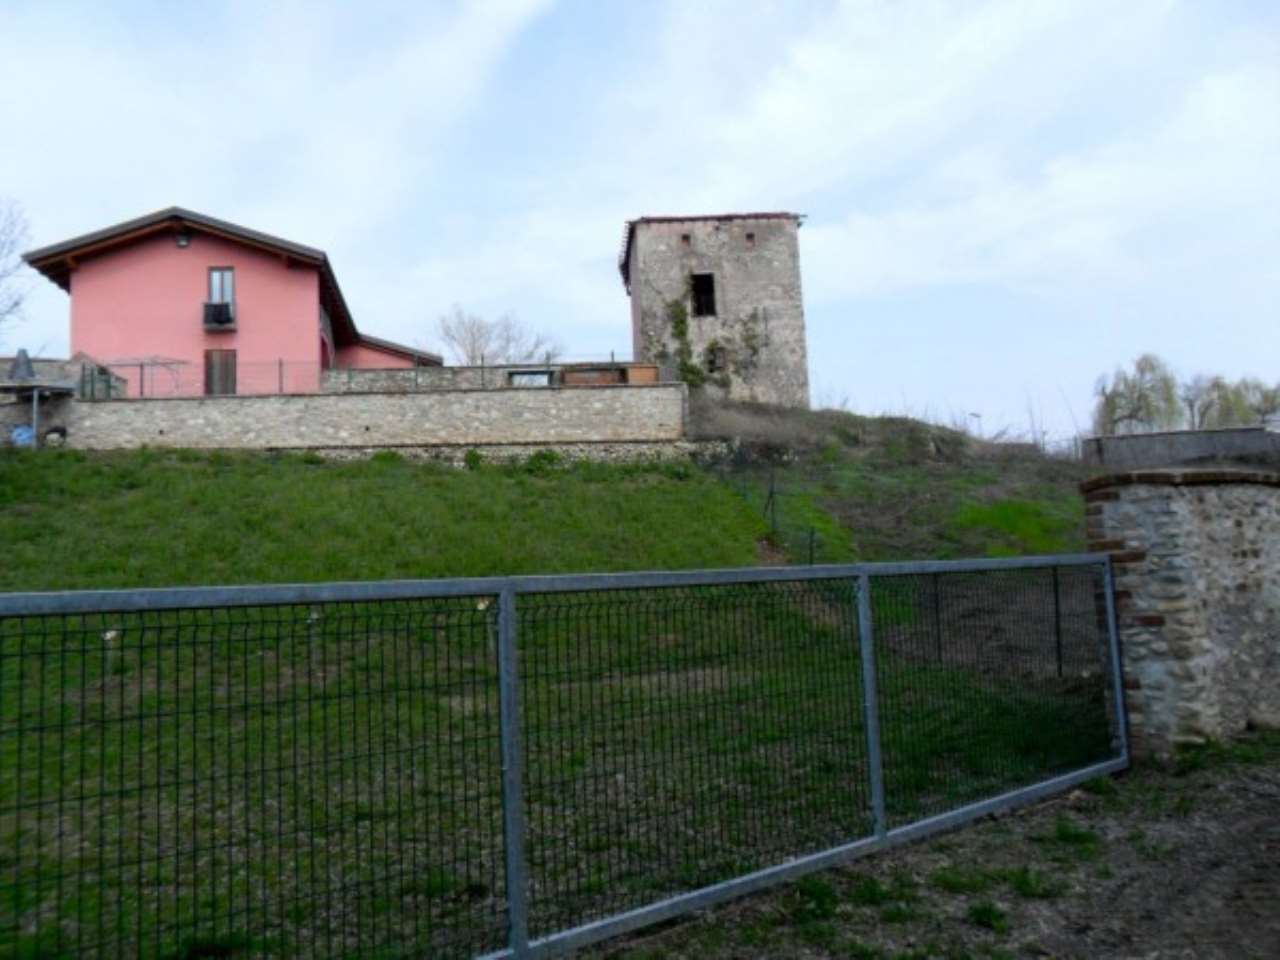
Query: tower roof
[{"x": 629, "y": 231}]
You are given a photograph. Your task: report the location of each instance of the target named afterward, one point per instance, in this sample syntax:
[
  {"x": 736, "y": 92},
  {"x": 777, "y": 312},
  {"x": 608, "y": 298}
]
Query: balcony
[{"x": 219, "y": 317}]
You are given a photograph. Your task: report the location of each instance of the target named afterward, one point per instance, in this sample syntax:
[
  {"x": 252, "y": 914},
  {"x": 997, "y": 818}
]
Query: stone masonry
[
  {"x": 1253, "y": 445},
  {"x": 752, "y": 347},
  {"x": 577, "y": 415},
  {"x": 1196, "y": 556}
]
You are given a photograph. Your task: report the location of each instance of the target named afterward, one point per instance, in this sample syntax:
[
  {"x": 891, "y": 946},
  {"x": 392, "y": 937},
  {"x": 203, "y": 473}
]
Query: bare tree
[
  {"x": 1199, "y": 395},
  {"x": 472, "y": 340},
  {"x": 1140, "y": 400},
  {"x": 13, "y": 237}
]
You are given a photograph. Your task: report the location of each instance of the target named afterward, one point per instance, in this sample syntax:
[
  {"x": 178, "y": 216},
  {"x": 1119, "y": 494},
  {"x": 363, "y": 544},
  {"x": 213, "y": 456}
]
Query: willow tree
[{"x": 1139, "y": 400}]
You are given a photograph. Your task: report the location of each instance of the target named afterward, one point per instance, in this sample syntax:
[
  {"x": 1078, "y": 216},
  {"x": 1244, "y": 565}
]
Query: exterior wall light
[{"x": 182, "y": 238}]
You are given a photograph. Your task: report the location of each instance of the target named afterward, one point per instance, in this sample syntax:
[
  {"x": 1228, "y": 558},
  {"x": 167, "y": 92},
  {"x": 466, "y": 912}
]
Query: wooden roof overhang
[{"x": 57, "y": 261}]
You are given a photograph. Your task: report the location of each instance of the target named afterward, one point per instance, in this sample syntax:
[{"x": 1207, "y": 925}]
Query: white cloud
[{"x": 1082, "y": 218}]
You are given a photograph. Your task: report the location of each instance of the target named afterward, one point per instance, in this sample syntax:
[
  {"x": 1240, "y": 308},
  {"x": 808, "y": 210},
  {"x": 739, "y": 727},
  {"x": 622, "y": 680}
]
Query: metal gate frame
[{"x": 508, "y": 589}]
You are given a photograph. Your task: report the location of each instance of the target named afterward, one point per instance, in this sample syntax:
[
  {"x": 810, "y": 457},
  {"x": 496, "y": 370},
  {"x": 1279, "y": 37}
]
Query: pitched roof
[
  {"x": 57, "y": 260},
  {"x": 629, "y": 231}
]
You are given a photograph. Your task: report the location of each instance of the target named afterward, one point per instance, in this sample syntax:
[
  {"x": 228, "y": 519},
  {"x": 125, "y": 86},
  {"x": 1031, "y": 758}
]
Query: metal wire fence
[{"x": 516, "y": 766}]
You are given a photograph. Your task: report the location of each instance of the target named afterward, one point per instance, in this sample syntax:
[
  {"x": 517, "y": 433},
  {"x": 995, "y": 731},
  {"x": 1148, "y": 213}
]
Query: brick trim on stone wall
[
  {"x": 1094, "y": 488},
  {"x": 1196, "y": 561}
]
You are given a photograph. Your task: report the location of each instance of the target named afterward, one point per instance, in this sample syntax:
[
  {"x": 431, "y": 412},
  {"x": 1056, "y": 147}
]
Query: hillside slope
[
  {"x": 147, "y": 518},
  {"x": 844, "y": 488},
  {"x": 890, "y": 488}
]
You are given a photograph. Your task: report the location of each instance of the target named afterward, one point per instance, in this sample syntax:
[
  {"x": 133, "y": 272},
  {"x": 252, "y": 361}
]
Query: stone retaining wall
[
  {"x": 606, "y": 414},
  {"x": 1196, "y": 556},
  {"x": 639, "y": 451}
]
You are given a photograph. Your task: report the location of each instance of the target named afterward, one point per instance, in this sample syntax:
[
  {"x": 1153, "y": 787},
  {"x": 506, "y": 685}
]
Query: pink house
[{"x": 181, "y": 304}]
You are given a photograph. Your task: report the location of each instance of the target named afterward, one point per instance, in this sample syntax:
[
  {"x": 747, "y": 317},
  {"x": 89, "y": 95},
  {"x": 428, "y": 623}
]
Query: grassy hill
[
  {"x": 74, "y": 520},
  {"x": 892, "y": 488},
  {"x": 852, "y": 488}
]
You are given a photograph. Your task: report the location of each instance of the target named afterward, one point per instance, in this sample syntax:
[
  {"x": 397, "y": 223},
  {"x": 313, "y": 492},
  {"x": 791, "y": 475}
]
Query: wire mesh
[
  {"x": 678, "y": 737},
  {"x": 989, "y": 681},
  {"x": 327, "y": 778},
  {"x": 311, "y": 780}
]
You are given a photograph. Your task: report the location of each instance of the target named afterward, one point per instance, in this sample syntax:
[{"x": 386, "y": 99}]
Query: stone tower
[{"x": 716, "y": 302}]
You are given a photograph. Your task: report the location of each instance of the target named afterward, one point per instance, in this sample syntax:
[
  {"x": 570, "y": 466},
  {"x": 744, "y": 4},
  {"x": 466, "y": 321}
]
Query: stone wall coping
[
  {"x": 575, "y": 388},
  {"x": 1252, "y": 428},
  {"x": 1181, "y": 478}
]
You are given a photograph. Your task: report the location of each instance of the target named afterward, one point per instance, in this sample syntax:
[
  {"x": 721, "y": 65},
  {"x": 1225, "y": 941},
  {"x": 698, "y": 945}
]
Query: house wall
[
  {"x": 358, "y": 421},
  {"x": 759, "y": 305},
  {"x": 1196, "y": 561},
  {"x": 146, "y": 300},
  {"x": 363, "y": 357}
]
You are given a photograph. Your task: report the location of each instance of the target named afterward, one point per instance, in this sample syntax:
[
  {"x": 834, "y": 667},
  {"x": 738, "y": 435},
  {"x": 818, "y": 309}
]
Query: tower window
[
  {"x": 684, "y": 239},
  {"x": 704, "y": 294},
  {"x": 717, "y": 358},
  {"x": 751, "y": 239}
]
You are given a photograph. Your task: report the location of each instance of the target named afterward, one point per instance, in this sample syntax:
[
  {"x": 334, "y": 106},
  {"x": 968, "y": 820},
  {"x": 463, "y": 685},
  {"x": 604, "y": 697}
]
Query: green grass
[
  {"x": 987, "y": 914},
  {"x": 149, "y": 518},
  {"x": 1033, "y": 884},
  {"x": 1016, "y": 527},
  {"x": 955, "y": 879},
  {"x": 890, "y": 488}
]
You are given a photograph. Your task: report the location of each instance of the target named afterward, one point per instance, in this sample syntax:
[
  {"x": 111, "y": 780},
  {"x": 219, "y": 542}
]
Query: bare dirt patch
[{"x": 1182, "y": 861}]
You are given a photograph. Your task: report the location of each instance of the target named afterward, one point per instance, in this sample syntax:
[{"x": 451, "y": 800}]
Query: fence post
[
  {"x": 280, "y": 375},
  {"x": 512, "y": 785},
  {"x": 1117, "y": 665},
  {"x": 1057, "y": 619},
  {"x": 870, "y": 704}
]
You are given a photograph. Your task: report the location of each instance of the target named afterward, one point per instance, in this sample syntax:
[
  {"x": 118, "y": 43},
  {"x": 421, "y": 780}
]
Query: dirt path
[{"x": 1178, "y": 862}]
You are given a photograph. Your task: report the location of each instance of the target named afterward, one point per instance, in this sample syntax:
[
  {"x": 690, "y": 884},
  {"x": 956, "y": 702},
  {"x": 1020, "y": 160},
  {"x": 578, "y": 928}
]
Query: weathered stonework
[
  {"x": 1254, "y": 445},
  {"x": 640, "y": 451},
  {"x": 1196, "y": 559},
  {"x": 577, "y": 415},
  {"x": 753, "y": 348}
]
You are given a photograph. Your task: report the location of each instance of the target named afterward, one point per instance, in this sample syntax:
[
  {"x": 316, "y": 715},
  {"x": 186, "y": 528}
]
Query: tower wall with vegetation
[{"x": 717, "y": 303}]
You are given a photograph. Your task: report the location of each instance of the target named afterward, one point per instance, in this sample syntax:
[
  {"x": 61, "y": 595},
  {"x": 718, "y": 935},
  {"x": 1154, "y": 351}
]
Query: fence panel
[
  {"x": 988, "y": 681},
  {"x": 678, "y": 737},
  {"x": 517, "y": 766},
  {"x": 317, "y": 778}
]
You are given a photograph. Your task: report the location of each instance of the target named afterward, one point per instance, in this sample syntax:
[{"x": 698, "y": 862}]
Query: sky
[{"x": 1003, "y": 199}]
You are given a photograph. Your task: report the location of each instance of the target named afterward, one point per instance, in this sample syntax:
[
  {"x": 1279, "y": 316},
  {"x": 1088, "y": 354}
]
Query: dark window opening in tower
[{"x": 704, "y": 294}]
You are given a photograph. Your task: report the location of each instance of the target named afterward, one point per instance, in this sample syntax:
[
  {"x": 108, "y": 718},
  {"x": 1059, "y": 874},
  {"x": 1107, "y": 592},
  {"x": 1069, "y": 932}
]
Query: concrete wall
[
  {"x": 1179, "y": 447},
  {"x": 759, "y": 319},
  {"x": 1196, "y": 556},
  {"x": 368, "y": 420}
]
